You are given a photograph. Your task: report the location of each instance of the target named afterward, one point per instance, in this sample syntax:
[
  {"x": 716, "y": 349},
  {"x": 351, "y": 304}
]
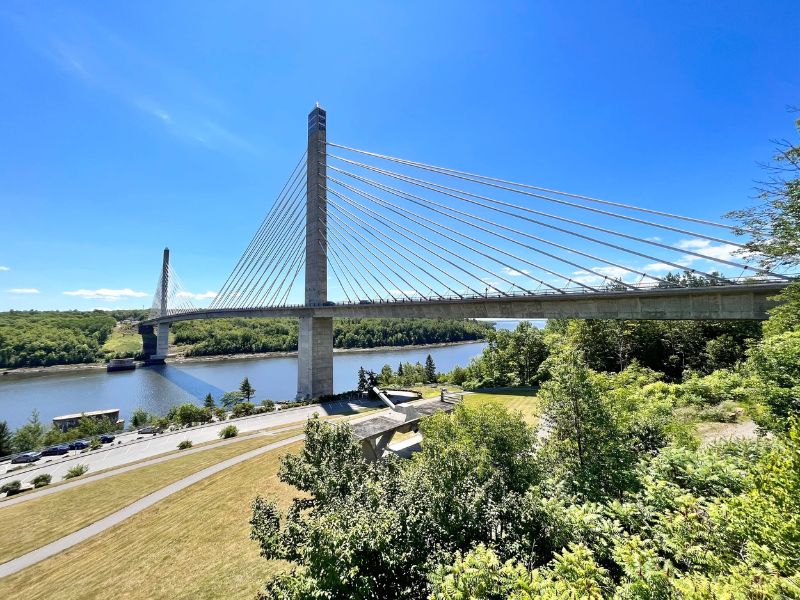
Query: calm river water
[{"x": 157, "y": 388}]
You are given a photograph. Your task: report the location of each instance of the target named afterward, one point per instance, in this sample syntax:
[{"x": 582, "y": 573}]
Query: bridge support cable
[
  {"x": 268, "y": 230},
  {"x": 486, "y": 180},
  {"x": 437, "y": 228},
  {"x": 290, "y": 261},
  {"x": 288, "y": 210},
  {"x": 490, "y": 273},
  {"x": 335, "y": 267},
  {"x": 400, "y": 266},
  {"x": 257, "y": 238},
  {"x": 581, "y": 207},
  {"x": 468, "y": 197},
  {"x": 331, "y": 247},
  {"x": 427, "y": 205},
  {"x": 425, "y": 271},
  {"x": 367, "y": 227},
  {"x": 288, "y": 226},
  {"x": 380, "y": 252},
  {"x": 649, "y": 241},
  {"x": 363, "y": 272},
  {"x": 285, "y": 261},
  {"x": 291, "y": 239},
  {"x": 249, "y": 276}
]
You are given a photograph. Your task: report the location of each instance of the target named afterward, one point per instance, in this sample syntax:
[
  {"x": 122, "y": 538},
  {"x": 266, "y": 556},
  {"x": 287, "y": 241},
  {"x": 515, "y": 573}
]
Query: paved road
[
  {"x": 53, "y": 489},
  {"x": 35, "y": 556},
  {"x": 134, "y": 448}
]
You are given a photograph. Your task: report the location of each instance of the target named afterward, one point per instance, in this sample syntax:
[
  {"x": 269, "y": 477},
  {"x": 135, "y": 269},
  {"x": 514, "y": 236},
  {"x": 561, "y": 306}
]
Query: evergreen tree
[
  {"x": 247, "y": 390},
  {"x": 400, "y": 369},
  {"x": 6, "y": 446},
  {"x": 362, "y": 380},
  {"x": 31, "y": 435},
  {"x": 209, "y": 401},
  {"x": 430, "y": 370}
]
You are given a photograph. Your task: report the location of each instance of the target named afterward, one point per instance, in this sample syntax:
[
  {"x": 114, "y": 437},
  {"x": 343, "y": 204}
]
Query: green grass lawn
[
  {"x": 522, "y": 400},
  {"x": 123, "y": 342},
  {"x": 193, "y": 545},
  {"x": 40, "y": 521}
]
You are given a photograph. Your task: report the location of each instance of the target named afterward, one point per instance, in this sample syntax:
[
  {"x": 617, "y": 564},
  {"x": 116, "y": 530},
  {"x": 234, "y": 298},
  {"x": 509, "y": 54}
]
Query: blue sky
[{"x": 130, "y": 126}]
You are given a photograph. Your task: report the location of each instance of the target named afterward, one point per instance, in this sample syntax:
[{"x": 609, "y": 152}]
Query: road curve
[{"x": 31, "y": 558}]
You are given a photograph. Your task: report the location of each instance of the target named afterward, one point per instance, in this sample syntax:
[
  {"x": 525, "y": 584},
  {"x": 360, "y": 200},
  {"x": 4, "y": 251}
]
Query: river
[{"x": 157, "y": 388}]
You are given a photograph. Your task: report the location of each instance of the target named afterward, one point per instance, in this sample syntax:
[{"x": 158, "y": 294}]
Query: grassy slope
[
  {"x": 195, "y": 545},
  {"x": 517, "y": 400},
  {"x": 41, "y": 521},
  {"x": 123, "y": 342}
]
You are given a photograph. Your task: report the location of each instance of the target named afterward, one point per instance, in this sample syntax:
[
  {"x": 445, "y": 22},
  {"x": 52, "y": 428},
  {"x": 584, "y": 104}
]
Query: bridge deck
[{"x": 729, "y": 302}]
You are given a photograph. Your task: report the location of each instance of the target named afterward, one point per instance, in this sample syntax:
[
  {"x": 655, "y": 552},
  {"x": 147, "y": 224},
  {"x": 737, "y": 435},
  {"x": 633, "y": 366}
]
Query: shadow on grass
[{"x": 509, "y": 391}]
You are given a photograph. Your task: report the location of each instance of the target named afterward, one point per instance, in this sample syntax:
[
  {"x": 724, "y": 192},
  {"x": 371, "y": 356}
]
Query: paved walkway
[
  {"x": 46, "y": 491},
  {"x": 40, "y": 554}
]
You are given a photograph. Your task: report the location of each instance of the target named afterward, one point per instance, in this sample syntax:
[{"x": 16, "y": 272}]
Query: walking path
[
  {"x": 40, "y": 554},
  {"x": 46, "y": 491}
]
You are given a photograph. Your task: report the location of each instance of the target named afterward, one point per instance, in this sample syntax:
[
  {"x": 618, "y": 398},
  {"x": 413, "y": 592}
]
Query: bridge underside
[{"x": 739, "y": 302}]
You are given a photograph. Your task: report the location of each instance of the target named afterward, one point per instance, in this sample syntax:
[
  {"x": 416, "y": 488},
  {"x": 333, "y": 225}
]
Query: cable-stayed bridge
[{"x": 358, "y": 234}]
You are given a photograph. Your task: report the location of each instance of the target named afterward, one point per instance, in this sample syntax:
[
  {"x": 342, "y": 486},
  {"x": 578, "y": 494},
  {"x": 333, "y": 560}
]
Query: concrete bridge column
[
  {"x": 315, "y": 339},
  {"x": 162, "y": 343}
]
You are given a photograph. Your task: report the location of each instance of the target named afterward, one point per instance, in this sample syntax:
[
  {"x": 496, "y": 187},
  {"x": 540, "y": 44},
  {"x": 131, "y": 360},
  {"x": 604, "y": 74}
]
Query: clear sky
[{"x": 128, "y": 126}]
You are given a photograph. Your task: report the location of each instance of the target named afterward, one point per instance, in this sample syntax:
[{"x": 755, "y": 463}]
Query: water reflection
[{"x": 158, "y": 388}]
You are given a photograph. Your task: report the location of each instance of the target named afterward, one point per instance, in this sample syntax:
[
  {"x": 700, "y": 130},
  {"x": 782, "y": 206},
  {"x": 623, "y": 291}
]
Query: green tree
[
  {"x": 140, "y": 418},
  {"x": 362, "y": 380},
  {"x": 246, "y": 389},
  {"x": 430, "y": 370},
  {"x": 31, "y": 435},
  {"x": 773, "y": 226},
  {"x": 208, "y": 402},
  {"x": 231, "y": 399},
  {"x": 6, "y": 439}
]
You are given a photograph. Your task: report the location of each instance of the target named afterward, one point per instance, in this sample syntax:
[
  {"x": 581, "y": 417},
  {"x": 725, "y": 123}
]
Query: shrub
[
  {"x": 76, "y": 471},
  {"x": 229, "y": 431},
  {"x": 95, "y": 444},
  {"x": 221, "y": 414},
  {"x": 185, "y": 445},
  {"x": 42, "y": 480},
  {"x": 268, "y": 405},
  {"x": 11, "y": 488},
  {"x": 243, "y": 409}
]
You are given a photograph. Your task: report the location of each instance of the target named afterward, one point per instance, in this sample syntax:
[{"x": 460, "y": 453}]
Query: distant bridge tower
[
  {"x": 155, "y": 345},
  {"x": 315, "y": 341},
  {"x": 162, "y": 347}
]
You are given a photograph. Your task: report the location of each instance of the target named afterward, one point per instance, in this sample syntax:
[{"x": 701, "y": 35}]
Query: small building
[{"x": 65, "y": 422}]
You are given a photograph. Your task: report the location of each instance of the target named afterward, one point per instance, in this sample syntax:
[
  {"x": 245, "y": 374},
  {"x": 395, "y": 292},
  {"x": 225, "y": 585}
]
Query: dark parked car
[
  {"x": 365, "y": 301},
  {"x": 56, "y": 450},
  {"x": 26, "y": 457},
  {"x": 106, "y": 438},
  {"x": 150, "y": 429},
  {"x": 78, "y": 445}
]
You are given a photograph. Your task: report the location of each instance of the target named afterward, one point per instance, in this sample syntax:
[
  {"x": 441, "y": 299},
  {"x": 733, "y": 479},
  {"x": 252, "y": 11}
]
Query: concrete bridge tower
[
  {"x": 156, "y": 344},
  {"x": 315, "y": 342}
]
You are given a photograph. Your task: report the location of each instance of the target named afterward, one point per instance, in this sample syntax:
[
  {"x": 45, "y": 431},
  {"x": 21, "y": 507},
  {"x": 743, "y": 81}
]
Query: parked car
[
  {"x": 56, "y": 450},
  {"x": 150, "y": 429},
  {"x": 106, "y": 438},
  {"x": 26, "y": 457},
  {"x": 365, "y": 301},
  {"x": 78, "y": 445}
]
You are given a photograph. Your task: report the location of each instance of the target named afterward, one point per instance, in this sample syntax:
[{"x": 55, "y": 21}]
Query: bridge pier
[
  {"x": 315, "y": 357},
  {"x": 315, "y": 336}
]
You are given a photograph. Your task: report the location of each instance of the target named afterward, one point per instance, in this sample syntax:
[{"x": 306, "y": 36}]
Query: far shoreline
[{"x": 24, "y": 372}]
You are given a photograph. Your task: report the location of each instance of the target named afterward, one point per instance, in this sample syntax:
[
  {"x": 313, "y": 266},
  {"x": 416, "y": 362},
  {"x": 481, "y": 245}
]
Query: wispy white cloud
[
  {"x": 203, "y": 296},
  {"x": 99, "y": 58},
  {"x": 2, "y": 268},
  {"x": 707, "y": 248},
  {"x": 653, "y": 238},
  {"x": 599, "y": 275},
  {"x": 401, "y": 292},
  {"x": 513, "y": 272},
  {"x": 106, "y": 294},
  {"x": 23, "y": 291},
  {"x": 659, "y": 268}
]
